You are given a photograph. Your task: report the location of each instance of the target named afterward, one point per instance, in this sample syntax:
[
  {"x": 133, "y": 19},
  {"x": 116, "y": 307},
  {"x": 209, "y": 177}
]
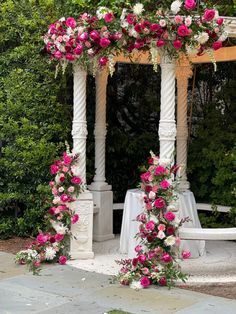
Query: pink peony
[
  {"x": 163, "y": 281},
  {"x": 166, "y": 258},
  {"x": 209, "y": 14},
  {"x": 103, "y": 61},
  {"x": 104, "y": 42},
  {"x": 164, "y": 184},
  {"x": 186, "y": 254},
  {"x": 94, "y": 35},
  {"x": 62, "y": 260},
  {"x": 108, "y": 17},
  {"x": 42, "y": 238},
  {"x": 159, "y": 203},
  {"x": 64, "y": 198},
  {"x": 145, "y": 282},
  {"x": 59, "y": 237},
  {"x": 131, "y": 18},
  {"x": 169, "y": 216},
  {"x": 74, "y": 219},
  {"x": 76, "y": 180},
  {"x": 220, "y": 21},
  {"x": 177, "y": 44},
  {"x": 159, "y": 171},
  {"x": 71, "y": 22},
  {"x": 217, "y": 45},
  {"x": 183, "y": 30},
  {"x": 54, "y": 169},
  {"x": 150, "y": 225},
  {"x": 190, "y": 4},
  {"x": 160, "y": 43},
  {"x": 178, "y": 19}
]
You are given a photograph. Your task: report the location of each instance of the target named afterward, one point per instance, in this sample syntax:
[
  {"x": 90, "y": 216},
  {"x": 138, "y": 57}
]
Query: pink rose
[
  {"x": 161, "y": 235},
  {"x": 94, "y": 35},
  {"x": 159, "y": 170},
  {"x": 62, "y": 260},
  {"x": 209, "y": 14},
  {"x": 146, "y": 176},
  {"x": 164, "y": 184},
  {"x": 54, "y": 191},
  {"x": 183, "y": 30},
  {"x": 54, "y": 169},
  {"x": 217, "y": 45},
  {"x": 42, "y": 238},
  {"x": 70, "y": 57},
  {"x": 108, "y": 17},
  {"x": 159, "y": 203},
  {"x": 59, "y": 237},
  {"x": 161, "y": 227},
  {"x": 78, "y": 51},
  {"x": 51, "y": 184},
  {"x": 154, "y": 28},
  {"x": 104, "y": 42},
  {"x": 145, "y": 282},
  {"x": 151, "y": 254},
  {"x": 178, "y": 19},
  {"x": 74, "y": 219},
  {"x": 62, "y": 208},
  {"x": 169, "y": 216},
  {"x": 76, "y": 180},
  {"x": 131, "y": 18},
  {"x": 160, "y": 43},
  {"x": 64, "y": 198},
  {"x": 83, "y": 37},
  {"x": 163, "y": 281},
  {"x": 71, "y": 22},
  {"x": 166, "y": 258},
  {"x": 220, "y": 21},
  {"x": 134, "y": 262},
  {"x": 138, "y": 28},
  {"x": 103, "y": 61},
  {"x": 190, "y": 4},
  {"x": 37, "y": 264},
  {"x": 58, "y": 55},
  {"x": 177, "y": 44},
  {"x": 186, "y": 254},
  {"x": 138, "y": 248},
  {"x": 145, "y": 271},
  {"x": 150, "y": 225},
  {"x": 142, "y": 258}
]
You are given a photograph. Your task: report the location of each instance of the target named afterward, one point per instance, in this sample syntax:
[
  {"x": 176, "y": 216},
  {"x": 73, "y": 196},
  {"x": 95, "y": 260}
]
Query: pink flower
[
  {"x": 54, "y": 191},
  {"x": 104, "y": 42},
  {"x": 103, "y": 61},
  {"x": 76, "y": 180},
  {"x": 74, "y": 219},
  {"x": 150, "y": 225},
  {"x": 42, "y": 238},
  {"x": 209, "y": 14},
  {"x": 190, "y": 4},
  {"x": 141, "y": 217},
  {"x": 183, "y": 30},
  {"x": 161, "y": 227},
  {"x": 54, "y": 169},
  {"x": 186, "y": 254},
  {"x": 166, "y": 258},
  {"x": 131, "y": 18},
  {"x": 64, "y": 198},
  {"x": 70, "y": 57},
  {"x": 163, "y": 281},
  {"x": 62, "y": 260},
  {"x": 58, "y": 55},
  {"x": 177, "y": 241},
  {"x": 164, "y": 184},
  {"x": 94, "y": 35},
  {"x": 220, "y": 21},
  {"x": 138, "y": 248},
  {"x": 161, "y": 235},
  {"x": 159, "y": 203},
  {"x": 170, "y": 230},
  {"x": 154, "y": 27},
  {"x": 178, "y": 19},
  {"x": 71, "y": 22},
  {"x": 159, "y": 170},
  {"x": 169, "y": 216},
  {"x": 108, "y": 17},
  {"x": 138, "y": 28},
  {"x": 51, "y": 184},
  {"x": 145, "y": 282},
  {"x": 177, "y": 44},
  {"x": 59, "y": 237},
  {"x": 62, "y": 177},
  {"x": 71, "y": 189},
  {"x": 146, "y": 176},
  {"x": 217, "y": 45},
  {"x": 37, "y": 264},
  {"x": 78, "y": 51},
  {"x": 134, "y": 262},
  {"x": 83, "y": 37},
  {"x": 145, "y": 271},
  {"x": 160, "y": 43},
  {"x": 142, "y": 258},
  {"x": 151, "y": 254}
]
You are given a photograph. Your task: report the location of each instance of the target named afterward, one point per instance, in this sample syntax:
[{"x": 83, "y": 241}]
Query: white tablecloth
[{"x": 133, "y": 206}]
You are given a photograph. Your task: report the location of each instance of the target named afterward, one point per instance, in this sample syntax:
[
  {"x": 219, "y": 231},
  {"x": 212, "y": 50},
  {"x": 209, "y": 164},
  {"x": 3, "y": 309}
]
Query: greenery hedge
[{"x": 36, "y": 116}]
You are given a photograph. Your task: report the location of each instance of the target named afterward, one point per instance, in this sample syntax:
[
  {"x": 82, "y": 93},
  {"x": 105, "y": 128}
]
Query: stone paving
[{"x": 66, "y": 289}]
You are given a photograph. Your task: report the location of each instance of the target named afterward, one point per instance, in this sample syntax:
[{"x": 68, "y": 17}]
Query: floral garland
[
  {"x": 179, "y": 27},
  {"x": 51, "y": 245},
  {"x": 158, "y": 252}
]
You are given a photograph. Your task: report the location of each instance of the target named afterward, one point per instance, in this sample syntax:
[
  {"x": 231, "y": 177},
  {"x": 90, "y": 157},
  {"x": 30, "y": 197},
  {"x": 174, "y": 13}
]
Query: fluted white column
[
  {"x": 99, "y": 180},
  {"x": 183, "y": 73},
  {"x": 167, "y": 126}
]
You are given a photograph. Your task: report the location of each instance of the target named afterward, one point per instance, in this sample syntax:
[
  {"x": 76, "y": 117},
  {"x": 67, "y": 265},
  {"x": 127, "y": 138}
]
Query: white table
[{"x": 133, "y": 206}]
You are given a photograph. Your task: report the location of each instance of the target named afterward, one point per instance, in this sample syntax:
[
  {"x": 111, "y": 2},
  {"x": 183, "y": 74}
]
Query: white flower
[
  {"x": 61, "y": 189},
  {"x": 170, "y": 240},
  {"x": 154, "y": 218},
  {"x": 62, "y": 19},
  {"x": 56, "y": 200},
  {"x": 50, "y": 253},
  {"x": 216, "y": 14},
  {"x": 188, "y": 21},
  {"x": 223, "y": 37},
  {"x": 75, "y": 169},
  {"x": 171, "y": 208},
  {"x": 175, "y": 6},
  {"x": 124, "y": 24},
  {"x": 162, "y": 23},
  {"x": 59, "y": 227},
  {"x": 202, "y": 38},
  {"x": 152, "y": 195},
  {"x": 101, "y": 12},
  {"x": 138, "y": 8},
  {"x": 161, "y": 235},
  {"x": 133, "y": 33},
  {"x": 136, "y": 285},
  {"x": 123, "y": 14}
]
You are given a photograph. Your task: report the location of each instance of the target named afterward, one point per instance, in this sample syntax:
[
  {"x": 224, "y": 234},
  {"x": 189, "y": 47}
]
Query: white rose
[
  {"x": 152, "y": 195},
  {"x": 61, "y": 189},
  {"x": 162, "y": 23},
  {"x": 136, "y": 285},
  {"x": 138, "y": 8},
  {"x": 188, "y": 21},
  {"x": 175, "y": 6},
  {"x": 161, "y": 235},
  {"x": 170, "y": 240},
  {"x": 202, "y": 38}
]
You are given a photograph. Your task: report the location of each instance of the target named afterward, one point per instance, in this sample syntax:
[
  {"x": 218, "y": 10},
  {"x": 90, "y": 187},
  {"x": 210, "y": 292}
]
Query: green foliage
[{"x": 7, "y": 227}]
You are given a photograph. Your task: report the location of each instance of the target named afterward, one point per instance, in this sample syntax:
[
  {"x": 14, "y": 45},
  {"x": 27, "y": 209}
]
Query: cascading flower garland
[
  {"x": 156, "y": 261},
  {"x": 177, "y": 27},
  {"x": 52, "y": 244}
]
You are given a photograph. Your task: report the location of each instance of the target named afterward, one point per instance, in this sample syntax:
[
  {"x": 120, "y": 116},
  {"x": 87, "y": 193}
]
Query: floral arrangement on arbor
[
  {"x": 51, "y": 245},
  {"x": 182, "y": 26},
  {"x": 158, "y": 254}
]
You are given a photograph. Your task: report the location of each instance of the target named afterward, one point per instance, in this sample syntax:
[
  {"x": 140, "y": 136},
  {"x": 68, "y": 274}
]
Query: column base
[
  {"x": 81, "y": 255},
  {"x": 99, "y": 186},
  {"x": 101, "y": 238}
]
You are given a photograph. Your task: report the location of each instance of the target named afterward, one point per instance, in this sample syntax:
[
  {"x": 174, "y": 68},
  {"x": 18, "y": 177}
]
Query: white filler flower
[
  {"x": 136, "y": 285},
  {"x": 138, "y": 8},
  {"x": 50, "y": 253},
  {"x": 175, "y": 6}
]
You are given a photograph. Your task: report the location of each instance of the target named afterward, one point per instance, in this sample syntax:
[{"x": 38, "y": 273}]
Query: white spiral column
[
  {"x": 82, "y": 232},
  {"x": 167, "y": 126},
  {"x": 102, "y": 194},
  {"x": 183, "y": 73}
]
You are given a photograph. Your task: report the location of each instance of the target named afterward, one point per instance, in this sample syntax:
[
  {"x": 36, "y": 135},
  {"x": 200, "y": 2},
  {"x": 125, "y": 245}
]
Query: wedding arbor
[{"x": 96, "y": 221}]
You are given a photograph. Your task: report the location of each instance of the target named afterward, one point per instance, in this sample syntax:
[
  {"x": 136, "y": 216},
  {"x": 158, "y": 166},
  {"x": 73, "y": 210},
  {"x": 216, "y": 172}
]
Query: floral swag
[{"x": 92, "y": 41}]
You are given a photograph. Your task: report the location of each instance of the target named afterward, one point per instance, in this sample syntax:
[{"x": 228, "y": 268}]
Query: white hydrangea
[
  {"x": 202, "y": 38},
  {"x": 170, "y": 240},
  {"x": 50, "y": 253},
  {"x": 175, "y": 6},
  {"x": 136, "y": 285},
  {"x": 138, "y": 8}
]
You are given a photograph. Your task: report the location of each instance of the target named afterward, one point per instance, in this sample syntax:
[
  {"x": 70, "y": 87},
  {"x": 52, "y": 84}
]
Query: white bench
[{"x": 208, "y": 234}]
